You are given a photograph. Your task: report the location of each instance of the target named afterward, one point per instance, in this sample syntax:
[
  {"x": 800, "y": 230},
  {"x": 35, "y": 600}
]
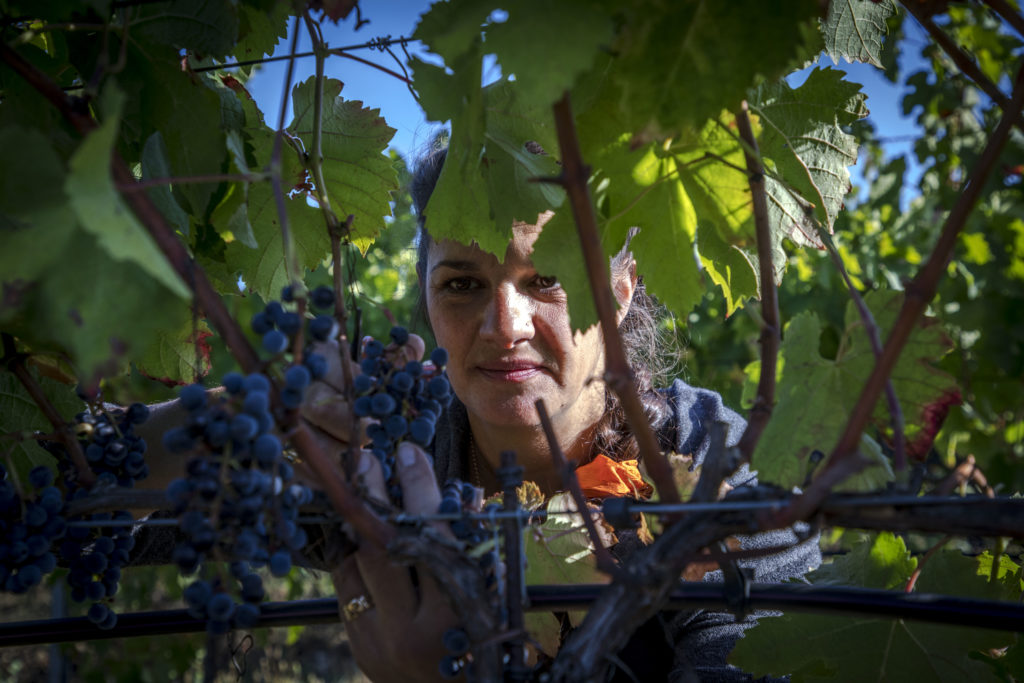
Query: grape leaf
[
  {"x": 815, "y": 395},
  {"x": 863, "y": 648},
  {"x": 154, "y": 165},
  {"x": 101, "y": 211},
  {"x": 803, "y": 139},
  {"x": 853, "y": 30},
  {"x": 532, "y": 45},
  {"x": 20, "y": 414},
  {"x": 263, "y": 269},
  {"x": 676, "y": 71},
  {"x": 358, "y": 176},
  {"x": 259, "y": 31},
  {"x": 98, "y": 310},
  {"x": 558, "y": 552},
  {"x": 206, "y": 27},
  {"x": 451, "y": 28},
  {"x": 187, "y": 111},
  {"x": 33, "y": 207},
  {"x": 177, "y": 356}
]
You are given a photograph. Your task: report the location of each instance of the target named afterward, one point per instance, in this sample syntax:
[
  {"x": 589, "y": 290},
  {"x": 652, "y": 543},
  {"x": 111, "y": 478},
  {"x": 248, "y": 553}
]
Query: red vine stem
[
  {"x": 919, "y": 292},
  {"x": 761, "y": 411},
  {"x": 963, "y": 61},
  {"x": 875, "y": 339},
  {"x": 618, "y": 374},
  {"x": 912, "y": 581},
  {"x": 16, "y": 364},
  {"x": 605, "y": 562},
  {"x": 342, "y": 497},
  {"x": 367, "y": 62}
]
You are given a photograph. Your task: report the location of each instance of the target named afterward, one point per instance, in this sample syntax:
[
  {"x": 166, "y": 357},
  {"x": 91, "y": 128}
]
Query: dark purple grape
[
  {"x": 399, "y": 335},
  {"x": 275, "y": 342},
  {"x": 439, "y": 357},
  {"x": 322, "y": 297}
]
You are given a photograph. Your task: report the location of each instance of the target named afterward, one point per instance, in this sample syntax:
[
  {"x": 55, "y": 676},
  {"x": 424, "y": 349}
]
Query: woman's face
[{"x": 506, "y": 329}]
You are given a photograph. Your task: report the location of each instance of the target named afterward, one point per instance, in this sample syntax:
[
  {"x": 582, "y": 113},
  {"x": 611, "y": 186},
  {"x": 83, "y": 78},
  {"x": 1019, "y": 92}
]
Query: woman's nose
[{"x": 508, "y": 319}]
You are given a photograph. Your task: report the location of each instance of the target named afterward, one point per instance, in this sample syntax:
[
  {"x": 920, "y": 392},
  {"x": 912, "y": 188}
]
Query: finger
[
  {"x": 420, "y": 492},
  {"x": 328, "y": 410},
  {"x": 331, "y": 351},
  {"x": 388, "y": 583},
  {"x": 410, "y": 351}
]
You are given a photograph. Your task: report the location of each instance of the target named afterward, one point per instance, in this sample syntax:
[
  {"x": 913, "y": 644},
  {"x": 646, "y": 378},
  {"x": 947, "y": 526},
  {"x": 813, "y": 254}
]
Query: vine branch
[
  {"x": 764, "y": 401},
  {"x": 15, "y": 362},
  {"x": 618, "y": 374},
  {"x": 605, "y": 562},
  {"x": 963, "y": 61}
]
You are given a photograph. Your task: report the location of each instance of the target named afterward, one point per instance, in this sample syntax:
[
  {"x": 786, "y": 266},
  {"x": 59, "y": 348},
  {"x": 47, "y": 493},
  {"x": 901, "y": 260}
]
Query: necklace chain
[{"x": 474, "y": 464}]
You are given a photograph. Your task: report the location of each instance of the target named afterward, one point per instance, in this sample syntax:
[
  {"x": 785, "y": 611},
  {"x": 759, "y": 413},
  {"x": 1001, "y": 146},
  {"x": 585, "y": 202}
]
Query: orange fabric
[{"x": 603, "y": 477}]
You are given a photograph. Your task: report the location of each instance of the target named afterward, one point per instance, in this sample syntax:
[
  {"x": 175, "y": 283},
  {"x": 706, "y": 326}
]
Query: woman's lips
[{"x": 511, "y": 371}]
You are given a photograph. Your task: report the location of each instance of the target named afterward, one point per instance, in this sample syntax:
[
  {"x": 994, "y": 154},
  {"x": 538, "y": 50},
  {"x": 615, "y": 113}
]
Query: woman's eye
[
  {"x": 546, "y": 281},
  {"x": 460, "y": 284}
]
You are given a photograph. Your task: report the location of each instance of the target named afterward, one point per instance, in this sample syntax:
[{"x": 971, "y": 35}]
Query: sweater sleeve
[{"x": 702, "y": 639}]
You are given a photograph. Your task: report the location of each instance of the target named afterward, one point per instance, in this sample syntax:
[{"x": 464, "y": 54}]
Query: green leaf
[
  {"x": 35, "y": 219},
  {"x": 881, "y": 562},
  {"x": 206, "y": 27},
  {"x": 803, "y": 137},
  {"x": 190, "y": 115},
  {"x": 259, "y": 30},
  {"x": 177, "y": 355},
  {"x": 263, "y": 269},
  {"x": 864, "y": 648},
  {"x": 853, "y": 29},
  {"x": 154, "y": 165},
  {"x": 98, "y": 310},
  {"x": 358, "y": 176},
  {"x": 558, "y": 552},
  {"x": 102, "y": 212},
  {"x": 20, "y": 414},
  {"x": 676, "y": 70},
  {"x": 532, "y": 46},
  {"x": 815, "y": 395},
  {"x": 450, "y": 29}
]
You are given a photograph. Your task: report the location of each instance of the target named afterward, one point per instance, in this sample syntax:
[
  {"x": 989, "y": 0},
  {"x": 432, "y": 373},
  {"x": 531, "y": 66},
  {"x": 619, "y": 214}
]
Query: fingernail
[
  {"x": 364, "y": 463},
  {"x": 406, "y": 454}
]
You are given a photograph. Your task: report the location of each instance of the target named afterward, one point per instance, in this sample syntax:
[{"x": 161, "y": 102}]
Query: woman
[{"x": 507, "y": 332}]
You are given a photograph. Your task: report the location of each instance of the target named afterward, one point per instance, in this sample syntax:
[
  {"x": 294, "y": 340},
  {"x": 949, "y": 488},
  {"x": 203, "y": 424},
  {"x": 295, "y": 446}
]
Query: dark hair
[{"x": 639, "y": 330}]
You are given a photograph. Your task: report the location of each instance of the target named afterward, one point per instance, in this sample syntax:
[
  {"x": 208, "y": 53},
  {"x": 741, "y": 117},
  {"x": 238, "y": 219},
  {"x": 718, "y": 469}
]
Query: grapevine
[{"x": 198, "y": 253}]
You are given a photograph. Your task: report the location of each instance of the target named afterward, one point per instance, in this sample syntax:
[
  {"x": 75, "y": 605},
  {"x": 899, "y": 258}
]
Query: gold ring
[{"x": 356, "y": 606}]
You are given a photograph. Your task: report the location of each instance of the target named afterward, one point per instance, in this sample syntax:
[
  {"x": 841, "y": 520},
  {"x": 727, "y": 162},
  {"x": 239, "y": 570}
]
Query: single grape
[
  {"x": 439, "y": 387},
  {"x": 439, "y": 357},
  {"x": 290, "y": 323},
  {"x": 288, "y": 293},
  {"x": 322, "y": 297},
  {"x": 297, "y": 377},
  {"x": 399, "y": 335},
  {"x": 280, "y": 563},
  {"x": 256, "y": 382},
  {"x": 396, "y": 426},
  {"x": 233, "y": 381},
  {"x": 193, "y": 397},
  {"x": 261, "y": 323},
  {"x": 321, "y": 327},
  {"x": 40, "y": 476},
  {"x": 316, "y": 364},
  {"x": 382, "y": 405},
  {"x": 275, "y": 342},
  {"x": 421, "y": 430}
]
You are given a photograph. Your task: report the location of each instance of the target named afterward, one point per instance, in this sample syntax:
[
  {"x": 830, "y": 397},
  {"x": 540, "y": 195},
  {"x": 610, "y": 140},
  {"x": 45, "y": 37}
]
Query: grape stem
[
  {"x": 15, "y": 362},
  {"x": 290, "y": 259}
]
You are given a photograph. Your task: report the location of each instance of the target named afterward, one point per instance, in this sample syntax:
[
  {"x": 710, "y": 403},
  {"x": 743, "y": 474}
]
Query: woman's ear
[{"x": 623, "y": 286}]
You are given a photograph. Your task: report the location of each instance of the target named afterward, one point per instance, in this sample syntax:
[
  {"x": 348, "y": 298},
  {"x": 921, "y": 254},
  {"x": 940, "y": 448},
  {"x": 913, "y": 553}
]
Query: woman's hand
[{"x": 395, "y": 624}]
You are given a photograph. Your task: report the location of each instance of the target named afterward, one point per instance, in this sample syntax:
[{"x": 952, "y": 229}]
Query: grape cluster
[
  {"x": 239, "y": 500},
  {"x": 95, "y": 555},
  {"x": 406, "y": 401},
  {"x": 29, "y": 526},
  {"x": 114, "y": 452}
]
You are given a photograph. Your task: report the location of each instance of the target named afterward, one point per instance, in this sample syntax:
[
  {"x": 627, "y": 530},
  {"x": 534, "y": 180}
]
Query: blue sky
[{"x": 399, "y": 17}]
